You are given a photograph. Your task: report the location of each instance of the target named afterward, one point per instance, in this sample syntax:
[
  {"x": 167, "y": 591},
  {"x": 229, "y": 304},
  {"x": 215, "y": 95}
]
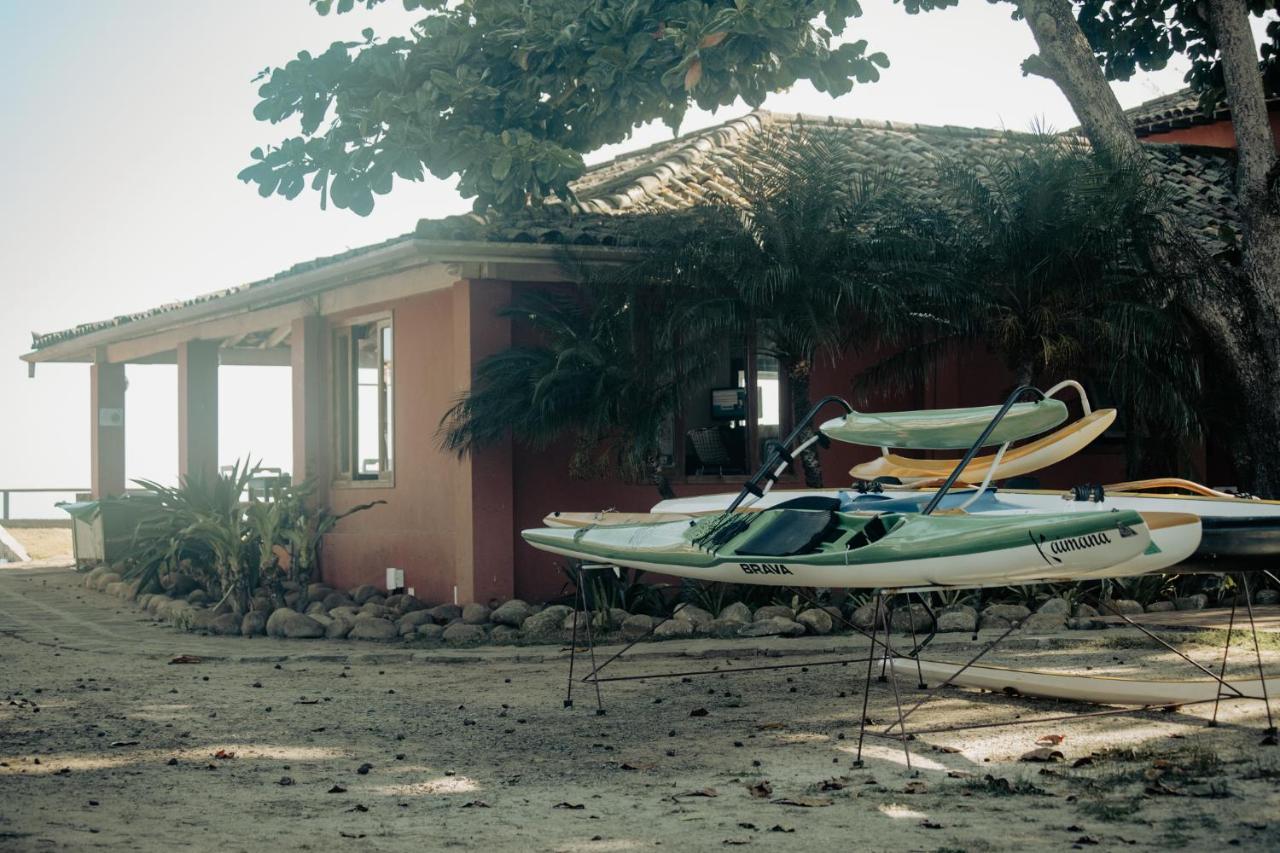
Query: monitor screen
[{"x": 729, "y": 404}]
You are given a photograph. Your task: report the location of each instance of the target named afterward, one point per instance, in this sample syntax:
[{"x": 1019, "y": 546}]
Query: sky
[{"x": 126, "y": 122}]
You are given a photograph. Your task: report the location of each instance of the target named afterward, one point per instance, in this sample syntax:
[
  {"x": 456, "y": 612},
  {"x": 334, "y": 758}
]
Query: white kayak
[{"x": 1231, "y": 526}]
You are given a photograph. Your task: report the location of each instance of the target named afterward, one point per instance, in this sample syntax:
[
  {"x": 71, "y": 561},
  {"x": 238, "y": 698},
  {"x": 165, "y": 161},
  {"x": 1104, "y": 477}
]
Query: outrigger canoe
[{"x": 824, "y": 548}]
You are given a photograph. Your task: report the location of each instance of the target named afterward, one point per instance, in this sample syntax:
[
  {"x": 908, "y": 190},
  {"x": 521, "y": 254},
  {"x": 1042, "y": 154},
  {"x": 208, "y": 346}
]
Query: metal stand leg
[
  {"x": 591, "y": 645},
  {"x": 646, "y": 635},
  {"x": 1221, "y": 684},
  {"x": 1269, "y": 737},
  {"x": 1226, "y": 650},
  {"x": 897, "y": 697},
  {"x": 915, "y": 644},
  {"x": 573, "y": 645},
  {"x": 866, "y": 686}
]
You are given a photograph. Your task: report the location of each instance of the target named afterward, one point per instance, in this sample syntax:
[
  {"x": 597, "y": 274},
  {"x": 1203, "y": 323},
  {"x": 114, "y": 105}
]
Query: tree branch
[
  {"x": 1255, "y": 144},
  {"x": 1066, "y": 58}
]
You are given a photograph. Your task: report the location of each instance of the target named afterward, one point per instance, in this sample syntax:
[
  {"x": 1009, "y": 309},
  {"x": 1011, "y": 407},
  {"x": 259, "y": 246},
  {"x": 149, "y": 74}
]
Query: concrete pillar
[
  {"x": 106, "y": 402},
  {"x": 484, "y": 556},
  {"x": 310, "y": 425},
  {"x": 198, "y": 408}
]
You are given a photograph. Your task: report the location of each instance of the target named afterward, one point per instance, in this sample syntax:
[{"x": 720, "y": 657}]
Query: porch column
[
  {"x": 306, "y": 358},
  {"x": 198, "y": 408},
  {"x": 106, "y": 431},
  {"x": 484, "y": 556}
]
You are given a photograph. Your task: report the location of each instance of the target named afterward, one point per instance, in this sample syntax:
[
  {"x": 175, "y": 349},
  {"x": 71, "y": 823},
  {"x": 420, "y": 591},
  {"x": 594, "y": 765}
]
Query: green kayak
[
  {"x": 827, "y": 548},
  {"x": 945, "y": 429}
]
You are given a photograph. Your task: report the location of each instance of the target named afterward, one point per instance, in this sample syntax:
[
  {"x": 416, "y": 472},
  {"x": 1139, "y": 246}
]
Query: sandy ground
[
  {"x": 44, "y": 544},
  {"x": 106, "y": 745}
]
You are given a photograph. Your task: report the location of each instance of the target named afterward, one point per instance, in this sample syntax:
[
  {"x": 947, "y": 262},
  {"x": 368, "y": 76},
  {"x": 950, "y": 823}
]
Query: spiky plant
[{"x": 1058, "y": 260}]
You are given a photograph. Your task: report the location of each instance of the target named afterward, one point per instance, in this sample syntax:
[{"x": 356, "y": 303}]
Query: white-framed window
[{"x": 363, "y": 395}]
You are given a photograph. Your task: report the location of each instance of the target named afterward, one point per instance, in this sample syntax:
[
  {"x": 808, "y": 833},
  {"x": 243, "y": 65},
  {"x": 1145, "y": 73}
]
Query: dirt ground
[{"x": 105, "y": 744}]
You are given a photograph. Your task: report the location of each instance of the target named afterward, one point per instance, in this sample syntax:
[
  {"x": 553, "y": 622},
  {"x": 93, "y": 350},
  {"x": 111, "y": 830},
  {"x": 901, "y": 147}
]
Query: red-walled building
[{"x": 383, "y": 339}]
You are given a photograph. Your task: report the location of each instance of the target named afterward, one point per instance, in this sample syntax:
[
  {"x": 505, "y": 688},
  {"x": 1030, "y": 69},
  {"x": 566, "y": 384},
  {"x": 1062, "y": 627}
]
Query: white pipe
[
  {"x": 995, "y": 463},
  {"x": 1071, "y": 383}
]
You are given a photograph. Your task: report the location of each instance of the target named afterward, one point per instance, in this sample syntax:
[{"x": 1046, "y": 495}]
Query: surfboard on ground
[
  {"x": 826, "y": 548},
  {"x": 1099, "y": 689}
]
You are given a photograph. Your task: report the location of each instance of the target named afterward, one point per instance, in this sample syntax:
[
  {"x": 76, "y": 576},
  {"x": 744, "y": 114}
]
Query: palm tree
[
  {"x": 1052, "y": 263},
  {"x": 602, "y": 373},
  {"x": 806, "y": 256}
]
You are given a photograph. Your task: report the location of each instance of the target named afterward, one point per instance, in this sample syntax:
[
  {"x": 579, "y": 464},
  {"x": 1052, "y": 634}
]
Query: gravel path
[{"x": 333, "y": 745}]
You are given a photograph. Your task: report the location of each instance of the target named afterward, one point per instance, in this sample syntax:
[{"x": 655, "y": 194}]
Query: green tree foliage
[
  {"x": 1146, "y": 34},
  {"x": 1057, "y": 260},
  {"x": 508, "y": 95}
]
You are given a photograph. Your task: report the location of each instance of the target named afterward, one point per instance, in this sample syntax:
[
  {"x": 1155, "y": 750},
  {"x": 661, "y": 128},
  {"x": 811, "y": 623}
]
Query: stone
[
  {"x": 815, "y": 621},
  {"x": 393, "y": 601},
  {"x": 429, "y": 631},
  {"x": 1013, "y": 612},
  {"x": 1056, "y": 607},
  {"x": 636, "y": 626},
  {"x": 724, "y": 628},
  {"x": 864, "y": 615},
  {"x": 475, "y": 614},
  {"x": 379, "y": 598},
  {"x": 1044, "y": 623},
  {"x": 253, "y": 624},
  {"x": 409, "y": 604},
  {"x": 183, "y": 585},
  {"x": 504, "y": 635},
  {"x": 674, "y": 628},
  {"x": 276, "y": 620},
  {"x": 1125, "y": 606},
  {"x": 297, "y": 626},
  {"x": 316, "y": 607},
  {"x": 1160, "y": 607},
  {"x": 226, "y": 625},
  {"x": 735, "y": 612},
  {"x": 695, "y": 616},
  {"x": 103, "y": 580},
  {"x": 957, "y": 618},
  {"x": 775, "y": 626},
  {"x": 202, "y": 620},
  {"x": 323, "y": 618},
  {"x": 616, "y": 617},
  {"x": 292, "y": 597},
  {"x": 512, "y": 613},
  {"x": 445, "y": 613},
  {"x": 116, "y": 589},
  {"x": 464, "y": 634},
  {"x": 338, "y": 627},
  {"x": 337, "y": 599},
  {"x": 546, "y": 626},
  {"x": 773, "y": 611},
  {"x": 1088, "y": 612},
  {"x": 1191, "y": 602},
  {"x": 913, "y": 617},
  {"x": 347, "y": 611},
  {"x": 373, "y": 628},
  {"x": 291, "y": 586},
  {"x": 318, "y": 591},
  {"x": 221, "y": 607},
  {"x": 377, "y": 611},
  {"x": 364, "y": 592},
  {"x": 1267, "y": 596},
  {"x": 1085, "y": 623},
  {"x": 408, "y": 623},
  {"x": 262, "y": 605}
]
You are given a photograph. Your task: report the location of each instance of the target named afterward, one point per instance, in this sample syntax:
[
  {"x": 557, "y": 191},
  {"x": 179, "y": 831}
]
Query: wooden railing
[{"x": 5, "y": 492}]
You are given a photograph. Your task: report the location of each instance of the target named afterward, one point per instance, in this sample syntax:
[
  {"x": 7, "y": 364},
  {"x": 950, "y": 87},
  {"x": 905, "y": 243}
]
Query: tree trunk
[
  {"x": 1241, "y": 315},
  {"x": 798, "y": 389}
]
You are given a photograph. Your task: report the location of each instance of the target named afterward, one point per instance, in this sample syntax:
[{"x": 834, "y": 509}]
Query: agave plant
[{"x": 230, "y": 541}]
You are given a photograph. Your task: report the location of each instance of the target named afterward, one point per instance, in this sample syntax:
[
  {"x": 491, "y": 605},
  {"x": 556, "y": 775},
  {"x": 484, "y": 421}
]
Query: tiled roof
[
  {"x": 675, "y": 175},
  {"x": 1176, "y": 110},
  {"x": 687, "y": 171}
]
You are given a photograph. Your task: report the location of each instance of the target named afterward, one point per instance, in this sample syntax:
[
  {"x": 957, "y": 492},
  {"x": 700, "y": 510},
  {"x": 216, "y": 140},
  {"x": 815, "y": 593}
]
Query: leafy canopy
[{"x": 509, "y": 95}]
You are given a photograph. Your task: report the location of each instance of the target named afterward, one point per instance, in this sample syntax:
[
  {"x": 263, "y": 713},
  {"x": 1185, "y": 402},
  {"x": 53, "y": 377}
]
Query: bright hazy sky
[{"x": 127, "y": 120}]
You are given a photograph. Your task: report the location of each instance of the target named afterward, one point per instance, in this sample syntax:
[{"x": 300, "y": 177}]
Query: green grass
[{"x": 1112, "y": 809}]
